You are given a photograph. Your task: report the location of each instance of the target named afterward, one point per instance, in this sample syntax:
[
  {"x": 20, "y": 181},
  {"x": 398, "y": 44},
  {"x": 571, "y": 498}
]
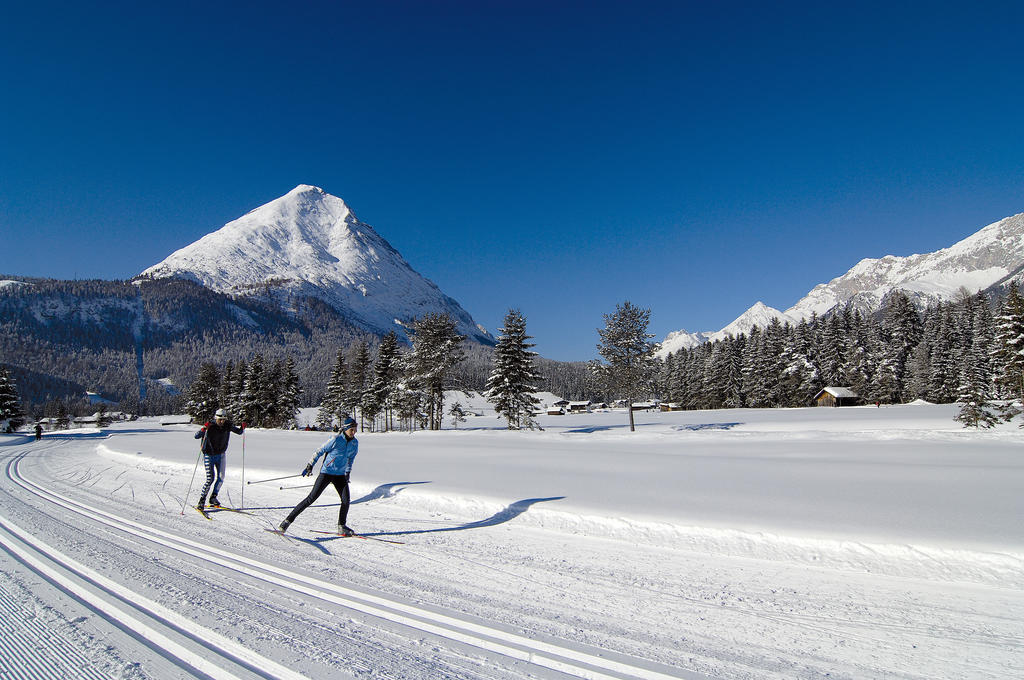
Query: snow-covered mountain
[
  {"x": 308, "y": 243},
  {"x": 992, "y": 256},
  {"x": 759, "y": 314}
]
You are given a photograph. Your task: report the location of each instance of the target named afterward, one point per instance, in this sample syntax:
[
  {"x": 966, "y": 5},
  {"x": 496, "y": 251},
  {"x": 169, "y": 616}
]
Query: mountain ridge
[{"x": 991, "y": 256}]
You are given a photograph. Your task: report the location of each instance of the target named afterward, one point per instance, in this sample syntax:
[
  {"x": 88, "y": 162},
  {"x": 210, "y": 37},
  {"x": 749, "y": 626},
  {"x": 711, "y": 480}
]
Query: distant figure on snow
[
  {"x": 39, "y": 431},
  {"x": 339, "y": 451},
  {"x": 215, "y": 437}
]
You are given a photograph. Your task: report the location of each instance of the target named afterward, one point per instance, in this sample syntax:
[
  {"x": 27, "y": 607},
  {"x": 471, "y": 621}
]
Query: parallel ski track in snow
[{"x": 573, "y": 661}]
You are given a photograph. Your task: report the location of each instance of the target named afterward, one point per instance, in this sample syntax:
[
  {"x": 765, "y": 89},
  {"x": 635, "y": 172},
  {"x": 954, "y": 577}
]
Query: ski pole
[
  {"x": 243, "y": 469},
  {"x": 261, "y": 481},
  {"x": 304, "y": 486},
  {"x": 201, "y": 445},
  {"x": 185, "y": 502}
]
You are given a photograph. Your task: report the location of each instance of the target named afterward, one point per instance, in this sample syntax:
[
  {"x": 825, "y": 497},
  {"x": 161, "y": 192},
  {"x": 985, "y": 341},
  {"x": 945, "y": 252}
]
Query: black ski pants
[{"x": 340, "y": 483}]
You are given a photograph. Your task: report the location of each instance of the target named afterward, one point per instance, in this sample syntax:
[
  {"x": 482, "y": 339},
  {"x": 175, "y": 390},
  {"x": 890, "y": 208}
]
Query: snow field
[{"x": 799, "y": 543}]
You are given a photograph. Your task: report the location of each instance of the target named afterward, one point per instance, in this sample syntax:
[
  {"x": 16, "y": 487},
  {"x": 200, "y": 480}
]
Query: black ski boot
[
  {"x": 345, "y": 531},
  {"x": 283, "y": 527},
  {"x": 214, "y": 503}
]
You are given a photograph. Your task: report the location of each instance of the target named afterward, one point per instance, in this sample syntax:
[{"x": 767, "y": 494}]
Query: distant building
[
  {"x": 579, "y": 406},
  {"x": 837, "y": 396},
  {"x": 670, "y": 406},
  {"x": 555, "y": 411}
]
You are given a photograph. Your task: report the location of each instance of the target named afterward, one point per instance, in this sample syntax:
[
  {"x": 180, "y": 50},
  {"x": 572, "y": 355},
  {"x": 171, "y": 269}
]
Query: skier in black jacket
[{"x": 215, "y": 437}]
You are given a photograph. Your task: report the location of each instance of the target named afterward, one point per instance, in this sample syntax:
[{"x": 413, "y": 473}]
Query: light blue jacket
[{"x": 338, "y": 455}]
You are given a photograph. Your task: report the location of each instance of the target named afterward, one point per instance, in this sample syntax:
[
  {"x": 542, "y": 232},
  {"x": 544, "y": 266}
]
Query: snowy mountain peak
[
  {"x": 309, "y": 243},
  {"x": 759, "y": 314}
]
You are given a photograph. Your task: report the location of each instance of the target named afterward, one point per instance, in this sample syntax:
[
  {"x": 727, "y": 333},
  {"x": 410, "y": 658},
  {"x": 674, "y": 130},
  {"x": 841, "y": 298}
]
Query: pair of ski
[
  {"x": 205, "y": 512},
  {"x": 339, "y": 535}
]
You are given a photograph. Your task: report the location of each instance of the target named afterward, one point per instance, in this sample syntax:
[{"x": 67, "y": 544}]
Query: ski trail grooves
[
  {"x": 594, "y": 665},
  {"x": 35, "y": 650},
  {"x": 69, "y": 575}
]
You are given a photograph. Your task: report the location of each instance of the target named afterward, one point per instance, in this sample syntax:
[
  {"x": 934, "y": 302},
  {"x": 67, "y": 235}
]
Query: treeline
[
  {"x": 969, "y": 351},
  {"x": 260, "y": 393}
]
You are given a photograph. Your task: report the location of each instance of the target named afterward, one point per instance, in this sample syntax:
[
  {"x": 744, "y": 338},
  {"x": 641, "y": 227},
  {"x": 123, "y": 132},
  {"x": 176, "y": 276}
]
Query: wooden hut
[{"x": 837, "y": 396}]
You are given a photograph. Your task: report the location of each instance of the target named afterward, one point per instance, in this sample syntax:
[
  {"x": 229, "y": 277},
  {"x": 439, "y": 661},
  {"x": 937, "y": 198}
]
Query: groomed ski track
[{"x": 174, "y": 643}]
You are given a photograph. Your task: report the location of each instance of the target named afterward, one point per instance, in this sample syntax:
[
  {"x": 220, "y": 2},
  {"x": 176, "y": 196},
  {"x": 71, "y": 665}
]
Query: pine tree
[
  {"x": 458, "y": 414},
  {"x": 1008, "y": 350},
  {"x": 253, "y": 407},
  {"x": 236, "y": 404},
  {"x": 358, "y": 377},
  {"x": 270, "y": 395},
  {"x": 62, "y": 417},
  {"x": 227, "y": 383},
  {"x": 801, "y": 376},
  {"x": 330, "y": 406},
  {"x": 203, "y": 395},
  {"x": 289, "y": 393},
  {"x": 380, "y": 397},
  {"x": 901, "y": 331},
  {"x": 626, "y": 346},
  {"x": 514, "y": 376},
  {"x": 976, "y": 374},
  {"x": 436, "y": 350},
  {"x": 102, "y": 415},
  {"x": 11, "y": 414}
]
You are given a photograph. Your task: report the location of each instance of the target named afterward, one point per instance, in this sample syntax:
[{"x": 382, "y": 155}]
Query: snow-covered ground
[{"x": 794, "y": 543}]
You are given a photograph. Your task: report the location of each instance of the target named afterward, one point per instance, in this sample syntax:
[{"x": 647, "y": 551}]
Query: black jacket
[{"x": 217, "y": 437}]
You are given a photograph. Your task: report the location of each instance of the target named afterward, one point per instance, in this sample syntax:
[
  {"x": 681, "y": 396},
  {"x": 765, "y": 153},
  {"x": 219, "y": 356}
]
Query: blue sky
[{"x": 558, "y": 157}]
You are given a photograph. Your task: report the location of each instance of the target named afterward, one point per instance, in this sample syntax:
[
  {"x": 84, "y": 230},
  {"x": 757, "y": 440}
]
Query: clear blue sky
[{"x": 558, "y": 157}]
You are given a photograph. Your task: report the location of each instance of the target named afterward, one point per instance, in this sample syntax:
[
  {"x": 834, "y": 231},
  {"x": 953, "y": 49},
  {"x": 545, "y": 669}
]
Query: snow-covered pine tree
[
  {"x": 102, "y": 415},
  {"x": 830, "y": 341},
  {"x": 289, "y": 393},
  {"x": 62, "y": 419},
  {"x": 801, "y": 376},
  {"x": 514, "y": 376},
  {"x": 236, "y": 403},
  {"x": 330, "y": 405},
  {"x": 976, "y": 374},
  {"x": 270, "y": 394},
  {"x": 901, "y": 331},
  {"x": 919, "y": 368},
  {"x": 436, "y": 350},
  {"x": 458, "y": 414},
  {"x": 227, "y": 384},
  {"x": 626, "y": 346},
  {"x": 11, "y": 414},
  {"x": 253, "y": 408},
  {"x": 379, "y": 399},
  {"x": 1008, "y": 351},
  {"x": 202, "y": 398},
  {"x": 857, "y": 370},
  {"x": 358, "y": 377}
]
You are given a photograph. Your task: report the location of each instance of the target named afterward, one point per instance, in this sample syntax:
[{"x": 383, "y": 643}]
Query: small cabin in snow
[{"x": 837, "y": 396}]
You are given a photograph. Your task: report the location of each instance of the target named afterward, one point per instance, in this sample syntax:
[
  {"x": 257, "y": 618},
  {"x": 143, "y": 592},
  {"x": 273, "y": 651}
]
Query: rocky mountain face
[
  {"x": 309, "y": 244},
  {"x": 991, "y": 257}
]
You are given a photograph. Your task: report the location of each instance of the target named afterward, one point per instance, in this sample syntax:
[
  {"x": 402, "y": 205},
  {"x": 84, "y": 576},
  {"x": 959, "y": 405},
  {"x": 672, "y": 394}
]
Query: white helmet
[{"x": 221, "y": 413}]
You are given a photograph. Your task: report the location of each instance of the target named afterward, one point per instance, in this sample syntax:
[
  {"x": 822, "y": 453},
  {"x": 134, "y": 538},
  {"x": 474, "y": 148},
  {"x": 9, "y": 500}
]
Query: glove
[
  {"x": 308, "y": 471},
  {"x": 203, "y": 429},
  {"x": 206, "y": 424},
  {"x": 245, "y": 425}
]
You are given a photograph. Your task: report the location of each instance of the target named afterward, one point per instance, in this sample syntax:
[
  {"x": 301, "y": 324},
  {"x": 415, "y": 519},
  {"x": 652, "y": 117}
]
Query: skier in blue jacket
[{"x": 338, "y": 452}]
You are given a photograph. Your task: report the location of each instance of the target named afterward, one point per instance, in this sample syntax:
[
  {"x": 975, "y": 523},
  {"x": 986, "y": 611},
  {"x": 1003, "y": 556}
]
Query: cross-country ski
[{"x": 365, "y": 538}]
